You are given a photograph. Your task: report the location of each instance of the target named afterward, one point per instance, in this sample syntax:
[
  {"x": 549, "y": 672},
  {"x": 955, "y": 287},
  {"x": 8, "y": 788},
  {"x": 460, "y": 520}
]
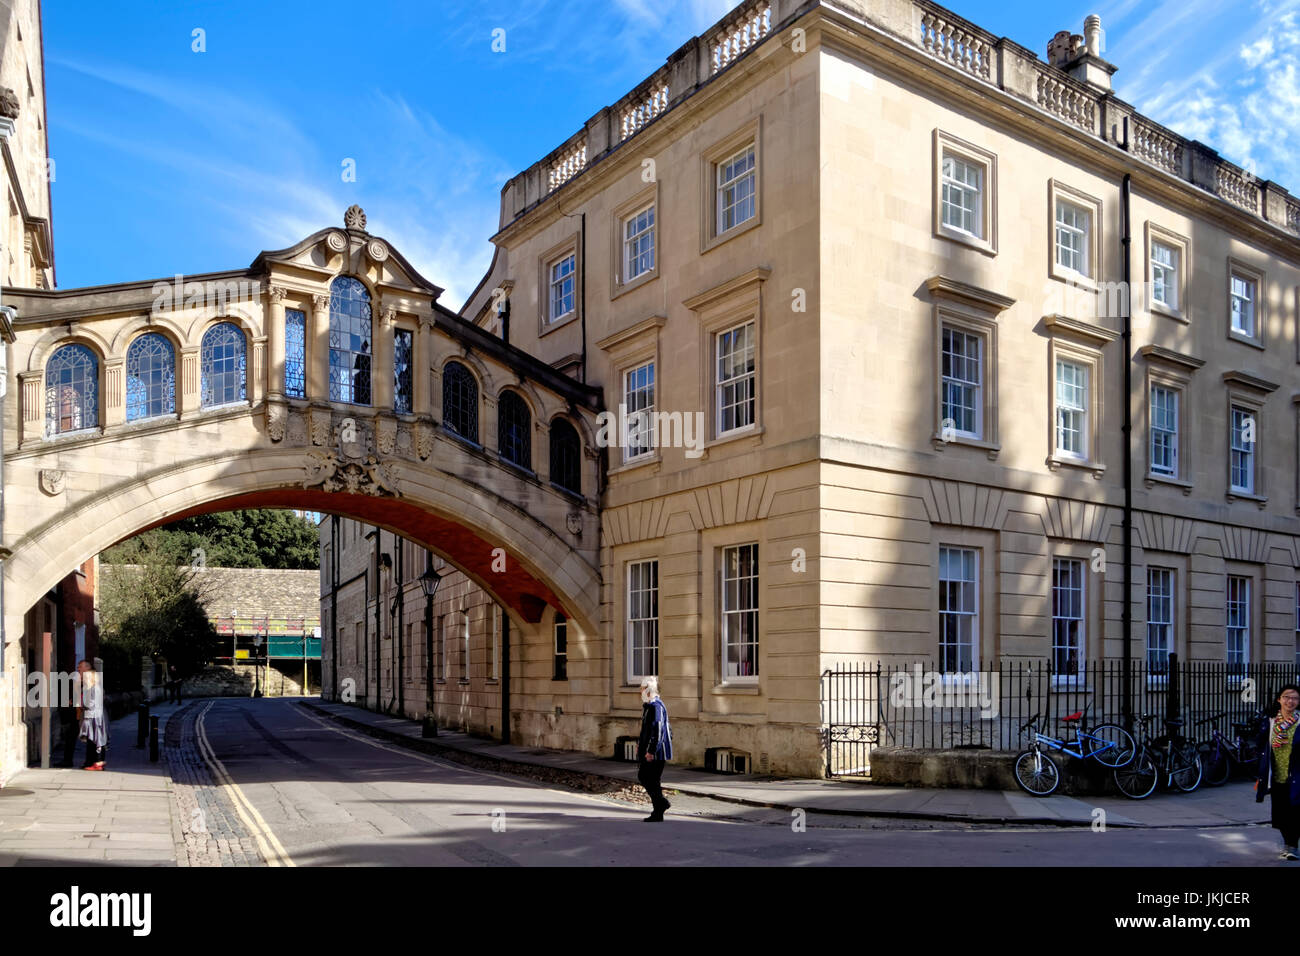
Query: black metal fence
[{"x": 912, "y": 704}]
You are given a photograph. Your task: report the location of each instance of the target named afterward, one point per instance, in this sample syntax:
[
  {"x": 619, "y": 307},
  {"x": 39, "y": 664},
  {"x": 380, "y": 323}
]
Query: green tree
[
  {"x": 152, "y": 602},
  {"x": 258, "y": 538}
]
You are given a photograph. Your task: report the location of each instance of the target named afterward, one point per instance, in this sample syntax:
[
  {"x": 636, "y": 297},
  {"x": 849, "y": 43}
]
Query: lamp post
[{"x": 429, "y": 581}]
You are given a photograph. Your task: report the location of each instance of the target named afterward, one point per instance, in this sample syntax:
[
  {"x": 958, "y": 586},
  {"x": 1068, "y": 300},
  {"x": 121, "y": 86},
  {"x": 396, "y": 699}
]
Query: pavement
[
  {"x": 1231, "y": 805},
  {"x": 186, "y": 810},
  {"x": 121, "y": 816}
]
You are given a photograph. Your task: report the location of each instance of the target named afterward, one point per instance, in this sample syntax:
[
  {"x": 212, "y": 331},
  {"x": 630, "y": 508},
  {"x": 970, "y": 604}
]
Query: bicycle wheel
[
  {"x": 1113, "y": 747},
  {"x": 1138, "y": 777},
  {"x": 1036, "y": 773},
  {"x": 1215, "y": 768},
  {"x": 1185, "y": 769}
]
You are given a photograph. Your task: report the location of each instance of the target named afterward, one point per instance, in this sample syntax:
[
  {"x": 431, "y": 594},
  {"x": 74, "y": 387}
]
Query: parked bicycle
[
  {"x": 1036, "y": 772},
  {"x": 1221, "y": 757},
  {"x": 1171, "y": 758}
]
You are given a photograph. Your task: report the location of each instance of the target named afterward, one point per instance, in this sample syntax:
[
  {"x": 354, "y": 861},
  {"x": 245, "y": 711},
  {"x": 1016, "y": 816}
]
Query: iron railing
[{"x": 913, "y": 704}]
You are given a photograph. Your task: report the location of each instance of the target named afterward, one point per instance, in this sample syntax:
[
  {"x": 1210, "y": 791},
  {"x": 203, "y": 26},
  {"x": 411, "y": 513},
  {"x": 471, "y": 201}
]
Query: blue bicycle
[{"x": 1036, "y": 772}]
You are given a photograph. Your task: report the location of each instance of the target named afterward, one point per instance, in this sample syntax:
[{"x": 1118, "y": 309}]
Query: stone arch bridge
[{"x": 325, "y": 376}]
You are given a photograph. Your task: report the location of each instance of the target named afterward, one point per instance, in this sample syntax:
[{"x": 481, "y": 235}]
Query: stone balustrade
[{"x": 940, "y": 34}]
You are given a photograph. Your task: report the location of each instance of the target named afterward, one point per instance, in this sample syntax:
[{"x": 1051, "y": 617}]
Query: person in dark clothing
[
  {"x": 1278, "y": 772},
  {"x": 173, "y": 684},
  {"x": 654, "y": 748}
]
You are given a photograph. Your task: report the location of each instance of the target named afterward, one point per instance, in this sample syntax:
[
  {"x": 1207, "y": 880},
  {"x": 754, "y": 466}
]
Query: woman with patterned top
[{"x": 1278, "y": 773}]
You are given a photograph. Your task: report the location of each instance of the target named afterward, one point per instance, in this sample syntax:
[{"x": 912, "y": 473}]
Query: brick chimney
[{"x": 1080, "y": 54}]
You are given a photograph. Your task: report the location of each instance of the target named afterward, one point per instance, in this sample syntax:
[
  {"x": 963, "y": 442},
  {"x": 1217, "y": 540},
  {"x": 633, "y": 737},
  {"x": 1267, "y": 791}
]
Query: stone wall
[{"x": 237, "y": 680}]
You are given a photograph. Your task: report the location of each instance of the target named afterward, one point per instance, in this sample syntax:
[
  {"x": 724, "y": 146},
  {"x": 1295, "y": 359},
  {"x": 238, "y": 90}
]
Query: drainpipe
[
  {"x": 1126, "y": 619},
  {"x": 334, "y": 604},
  {"x": 583, "y": 241},
  {"x": 505, "y": 677}
]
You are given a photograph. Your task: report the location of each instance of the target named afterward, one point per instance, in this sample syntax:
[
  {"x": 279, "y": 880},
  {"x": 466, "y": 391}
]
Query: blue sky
[{"x": 168, "y": 160}]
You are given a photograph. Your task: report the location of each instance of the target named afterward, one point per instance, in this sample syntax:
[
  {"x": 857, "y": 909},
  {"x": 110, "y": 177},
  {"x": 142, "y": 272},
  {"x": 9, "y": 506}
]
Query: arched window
[
  {"x": 514, "y": 439},
  {"x": 150, "y": 377},
  {"x": 71, "y": 390},
  {"x": 350, "y": 341},
  {"x": 224, "y": 360},
  {"x": 566, "y": 457},
  {"x": 460, "y": 401}
]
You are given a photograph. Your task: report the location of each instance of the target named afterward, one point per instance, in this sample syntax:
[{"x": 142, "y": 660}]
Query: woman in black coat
[{"x": 1278, "y": 772}]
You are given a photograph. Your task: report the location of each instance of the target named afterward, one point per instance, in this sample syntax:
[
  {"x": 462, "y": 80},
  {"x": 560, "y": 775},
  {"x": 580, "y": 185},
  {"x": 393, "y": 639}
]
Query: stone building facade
[{"x": 882, "y": 256}]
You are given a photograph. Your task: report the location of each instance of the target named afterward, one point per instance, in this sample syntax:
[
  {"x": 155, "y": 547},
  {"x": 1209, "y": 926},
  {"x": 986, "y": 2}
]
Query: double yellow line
[{"x": 271, "y": 849}]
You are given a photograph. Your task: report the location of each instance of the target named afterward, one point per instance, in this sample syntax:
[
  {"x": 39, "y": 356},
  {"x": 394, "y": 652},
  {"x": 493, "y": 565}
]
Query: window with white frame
[
  {"x": 1071, "y": 409},
  {"x": 642, "y": 619},
  {"x": 1242, "y": 297},
  {"x": 963, "y": 401},
  {"x": 740, "y": 612},
  {"x": 958, "y": 609},
  {"x": 734, "y": 349},
  {"x": 737, "y": 186},
  {"x": 442, "y": 648},
  {"x": 1242, "y": 451},
  {"x": 560, "y": 632},
  {"x": 464, "y": 647},
  {"x": 1160, "y": 619},
  {"x": 1164, "y": 274},
  {"x": 1164, "y": 431},
  {"x": 498, "y": 626},
  {"x": 1073, "y": 237},
  {"x": 1067, "y": 616},
  {"x": 639, "y": 243},
  {"x": 1238, "y": 618},
  {"x": 639, "y": 409},
  {"x": 962, "y": 195},
  {"x": 561, "y": 283}
]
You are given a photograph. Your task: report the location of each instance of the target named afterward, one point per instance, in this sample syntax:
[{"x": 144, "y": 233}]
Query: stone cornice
[
  {"x": 1164, "y": 356},
  {"x": 631, "y": 332},
  {"x": 1248, "y": 381},
  {"x": 1092, "y": 334},
  {"x": 754, "y": 276},
  {"x": 943, "y": 287}
]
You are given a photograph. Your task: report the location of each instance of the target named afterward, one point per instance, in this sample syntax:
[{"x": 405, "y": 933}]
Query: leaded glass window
[
  {"x": 460, "y": 401},
  {"x": 150, "y": 377},
  {"x": 224, "y": 360},
  {"x": 514, "y": 428},
  {"x": 566, "y": 456},
  {"x": 403, "y": 369},
  {"x": 71, "y": 390},
  {"x": 295, "y": 354},
  {"x": 350, "y": 341}
]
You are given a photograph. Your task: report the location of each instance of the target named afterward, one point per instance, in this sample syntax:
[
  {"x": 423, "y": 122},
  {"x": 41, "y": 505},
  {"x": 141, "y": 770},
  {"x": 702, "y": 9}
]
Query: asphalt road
[{"x": 320, "y": 794}]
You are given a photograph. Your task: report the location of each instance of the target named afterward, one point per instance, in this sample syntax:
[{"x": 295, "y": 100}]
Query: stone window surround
[
  {"x": 710, "y": 238},
  {"x": 1179, "y": 564},
  {"x": 1257, "y": 633},
  {"x": 647, "y": 197},
  {"x": 1247, "y": 392},
  {"x": 1093, "y": 598},
  {"x": 725, "y": 306},
  {"x": 621, "y": 680},
  {"x": 1183, "y": 244},
  {"x": 713, "y": 544},
  {"x": 1082, "y": 343},
  {"x": 561, "y": 250},
  {"x": 1236, "y": 267},
  {"x": 1174, "y": 371},
  {"x": 947, "y": 143},
  {"x": 974, "y": 310},
  {"x": 985, "y": 543},
  {"x": 1057, "y": 191},
  {"x": 627, "y": 349}
]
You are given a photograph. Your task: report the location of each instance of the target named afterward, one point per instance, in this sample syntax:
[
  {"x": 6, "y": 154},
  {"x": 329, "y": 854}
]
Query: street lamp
[
  {"x": 257, "y": 665},
  {"x": 429, "y": 581}
]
